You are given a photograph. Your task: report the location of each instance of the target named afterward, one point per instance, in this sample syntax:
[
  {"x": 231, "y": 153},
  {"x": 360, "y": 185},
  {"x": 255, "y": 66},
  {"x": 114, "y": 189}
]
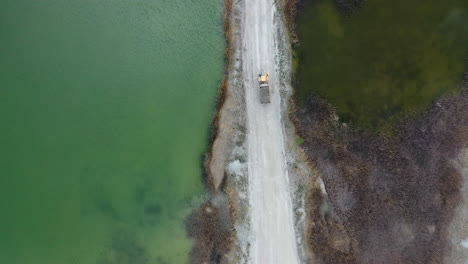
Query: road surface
[{"x": 273, "y": 238}]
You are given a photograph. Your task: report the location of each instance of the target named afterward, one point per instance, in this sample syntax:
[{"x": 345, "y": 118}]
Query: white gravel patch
[
  {"x": 464, "y": 243},
  {"x": 236, "y": 168}
]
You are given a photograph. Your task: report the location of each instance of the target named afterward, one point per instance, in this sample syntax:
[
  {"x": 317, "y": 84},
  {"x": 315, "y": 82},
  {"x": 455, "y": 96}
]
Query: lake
[{"x": 105, "y": 107}]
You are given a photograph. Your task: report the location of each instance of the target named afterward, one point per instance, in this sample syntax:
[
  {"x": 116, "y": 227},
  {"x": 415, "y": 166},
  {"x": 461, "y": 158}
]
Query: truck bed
[{"x": 264, "y": 93}]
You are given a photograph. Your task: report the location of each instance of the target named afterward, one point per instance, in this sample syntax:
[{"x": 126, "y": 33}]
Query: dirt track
[{"x": 272, "y": 232}]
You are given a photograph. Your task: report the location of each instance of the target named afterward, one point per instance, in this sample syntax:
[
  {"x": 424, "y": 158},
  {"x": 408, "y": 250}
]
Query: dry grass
[
  {"x": 212, "y": 239},
  {"x": 389, "y": 198},
  {"x": 290, "y": 14}
]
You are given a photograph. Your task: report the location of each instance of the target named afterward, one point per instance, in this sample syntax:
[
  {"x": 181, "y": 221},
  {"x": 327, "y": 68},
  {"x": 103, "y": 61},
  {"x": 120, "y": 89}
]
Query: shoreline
[
  {"x": 212, "y": 225},
  {"x": 225, "y": 238},
  {"x": 211, "y": 238}
]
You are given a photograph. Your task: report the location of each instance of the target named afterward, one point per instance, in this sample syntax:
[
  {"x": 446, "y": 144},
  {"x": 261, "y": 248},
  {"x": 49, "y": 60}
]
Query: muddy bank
[{"x": 212, "y": 226}]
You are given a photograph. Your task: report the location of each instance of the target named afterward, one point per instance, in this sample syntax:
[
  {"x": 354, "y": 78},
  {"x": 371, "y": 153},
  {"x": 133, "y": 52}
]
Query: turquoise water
[
  {"x": 386, "y": 60},
  {"x": 104, "y": 109}
]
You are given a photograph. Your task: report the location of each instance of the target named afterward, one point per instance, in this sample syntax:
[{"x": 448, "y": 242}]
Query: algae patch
[{"x": 384, "y": 60}]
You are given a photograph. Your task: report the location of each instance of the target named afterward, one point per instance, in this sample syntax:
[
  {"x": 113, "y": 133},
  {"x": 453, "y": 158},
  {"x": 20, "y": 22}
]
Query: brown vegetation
[
  {"x": 208, "y": 225},
  {"x": 290, "y": 11},
  {"x": 389, "y": 199}
]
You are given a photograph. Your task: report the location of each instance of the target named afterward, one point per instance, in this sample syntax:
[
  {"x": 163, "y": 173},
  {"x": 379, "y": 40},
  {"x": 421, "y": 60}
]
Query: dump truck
[{"x": 264, "y": 89}]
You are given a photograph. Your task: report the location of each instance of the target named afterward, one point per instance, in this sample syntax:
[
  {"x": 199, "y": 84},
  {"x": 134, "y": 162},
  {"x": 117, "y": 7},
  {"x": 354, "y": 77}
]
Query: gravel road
[{"x": 272, "y": 238}]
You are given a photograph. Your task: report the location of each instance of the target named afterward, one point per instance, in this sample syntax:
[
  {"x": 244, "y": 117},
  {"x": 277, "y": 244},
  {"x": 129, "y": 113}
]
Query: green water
[
  {"x": 388, "y": 59},
  {"x": 104, "y": 109}
]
